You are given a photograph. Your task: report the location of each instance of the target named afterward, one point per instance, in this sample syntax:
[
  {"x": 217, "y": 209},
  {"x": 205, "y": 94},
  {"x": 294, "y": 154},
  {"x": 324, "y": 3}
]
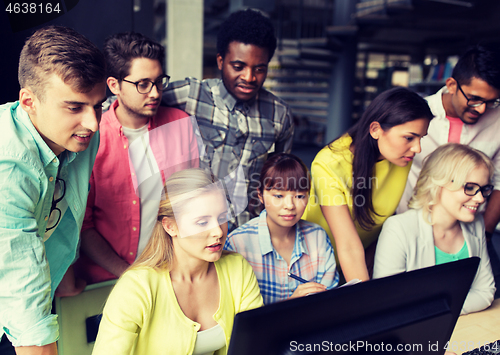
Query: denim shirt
[{"x": 30, "y": 269}]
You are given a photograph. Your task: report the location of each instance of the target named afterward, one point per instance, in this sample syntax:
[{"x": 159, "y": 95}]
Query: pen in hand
[{"x": 298, "y": 278}]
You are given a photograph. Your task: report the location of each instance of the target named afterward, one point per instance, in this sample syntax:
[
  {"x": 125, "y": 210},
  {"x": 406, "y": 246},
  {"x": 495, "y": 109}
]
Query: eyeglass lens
[
  {"x": 145, "y": 86},
  {"x": 471, "y": 189},
  {"x": 53, "y": 221},
  {"x": 477, "y": 103},
  {"x": 59, "y": 192}
]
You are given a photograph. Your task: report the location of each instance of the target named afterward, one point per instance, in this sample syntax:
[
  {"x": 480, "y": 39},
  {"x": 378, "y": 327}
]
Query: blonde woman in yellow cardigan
[{"x": 181, "y": 295}]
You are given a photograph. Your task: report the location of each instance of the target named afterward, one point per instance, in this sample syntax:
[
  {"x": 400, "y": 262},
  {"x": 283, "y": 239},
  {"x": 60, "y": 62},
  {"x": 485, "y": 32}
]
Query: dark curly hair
[
  {"x": 249, "y": 27},
  {"x": 121, "y": 48}
]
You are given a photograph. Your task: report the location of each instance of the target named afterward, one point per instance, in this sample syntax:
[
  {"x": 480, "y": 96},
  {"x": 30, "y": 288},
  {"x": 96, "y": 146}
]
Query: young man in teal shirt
[{"x": 47, "y": 150}]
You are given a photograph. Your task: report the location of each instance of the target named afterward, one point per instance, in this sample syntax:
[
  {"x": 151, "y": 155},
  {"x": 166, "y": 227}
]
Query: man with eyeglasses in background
[
  {"x": 466, "y": 111},
  {"x": 47, "y": 150},
  {"x": 141, "y": 145}
]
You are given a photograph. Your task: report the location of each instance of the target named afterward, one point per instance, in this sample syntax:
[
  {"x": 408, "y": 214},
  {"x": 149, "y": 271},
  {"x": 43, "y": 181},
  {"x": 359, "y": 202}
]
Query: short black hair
[
  {"x": 481, "y": 61},
  {"x": 286, "y": 172},
  {"x": 249, "y": 27},
  {"x": 121, "y": 48}
]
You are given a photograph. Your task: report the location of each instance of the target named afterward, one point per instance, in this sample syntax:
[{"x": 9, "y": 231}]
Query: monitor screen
[{"x": 411, "y": 313}]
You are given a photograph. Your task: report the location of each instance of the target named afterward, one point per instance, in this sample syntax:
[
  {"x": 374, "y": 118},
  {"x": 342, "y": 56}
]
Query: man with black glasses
[
  {"x": 47, "y": 150},
  {"x": 466, "y": 111},
  {"x": 141, "y": 145}
]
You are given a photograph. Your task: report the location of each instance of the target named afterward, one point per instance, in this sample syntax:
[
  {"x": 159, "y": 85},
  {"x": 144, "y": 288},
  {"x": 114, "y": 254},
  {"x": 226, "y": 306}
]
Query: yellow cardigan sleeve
[
  {"x": 240, "y": 291},
  {"x": 140, "y": 311},
  {"x": 251, "y": 297},
  {"x": 120, "y": 322}
]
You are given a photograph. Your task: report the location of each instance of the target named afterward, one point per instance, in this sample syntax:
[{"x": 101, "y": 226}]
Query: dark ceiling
[
  {"x": 439, "y": 27},
  {"x": 443, "y": 26}
]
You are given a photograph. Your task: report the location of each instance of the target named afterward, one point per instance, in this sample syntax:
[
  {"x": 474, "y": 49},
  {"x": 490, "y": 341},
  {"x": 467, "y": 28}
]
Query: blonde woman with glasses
[{"x": 444, "y": 222}]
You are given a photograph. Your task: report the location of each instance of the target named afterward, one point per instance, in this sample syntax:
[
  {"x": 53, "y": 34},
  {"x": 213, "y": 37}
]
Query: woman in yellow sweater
[
  {"x": 359, "y": 178},
  {"x": 181, "y": 295}
]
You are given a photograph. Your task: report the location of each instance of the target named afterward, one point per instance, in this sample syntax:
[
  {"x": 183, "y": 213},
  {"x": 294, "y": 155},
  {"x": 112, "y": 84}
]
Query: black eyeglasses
[
  {"x": 53, "y": 208},
  {"x": 145, "y": 86},
  {"x": 471, "y": 189},
  {"x": 476, "y": 103}
]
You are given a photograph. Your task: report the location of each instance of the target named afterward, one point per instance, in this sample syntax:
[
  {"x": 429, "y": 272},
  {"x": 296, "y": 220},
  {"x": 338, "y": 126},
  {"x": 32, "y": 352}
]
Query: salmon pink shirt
[{"x": 113, "y": 206}]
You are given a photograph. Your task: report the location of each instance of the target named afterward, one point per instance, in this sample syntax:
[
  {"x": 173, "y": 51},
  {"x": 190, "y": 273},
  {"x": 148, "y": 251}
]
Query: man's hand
[
  {"x": 492, "y": 213},
  {"x": 100, "y": 251},
  {"x": 70, "y": 286}
]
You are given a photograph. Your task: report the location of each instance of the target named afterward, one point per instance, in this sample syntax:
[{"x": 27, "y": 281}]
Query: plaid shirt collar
[
  {"x": 266, "y": 245},
  {"x": 229, "y": 100}
]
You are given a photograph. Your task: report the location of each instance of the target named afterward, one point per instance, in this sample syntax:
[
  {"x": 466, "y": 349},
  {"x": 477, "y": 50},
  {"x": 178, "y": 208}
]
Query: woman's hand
[{"x": 308, "y": 288}]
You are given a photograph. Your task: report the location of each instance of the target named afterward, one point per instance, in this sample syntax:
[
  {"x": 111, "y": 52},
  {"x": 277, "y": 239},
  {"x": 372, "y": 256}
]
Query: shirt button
[
  {"x": 134, "y": 202},
  {"x": 55, "y": 159},
  {"x": 125, "y": 146},
  {"x": 134, "y": 229},
  {"x": 46, "y": 217},
  {"x": 51, "y": 178},
  {"x": 131, "y": 253}
]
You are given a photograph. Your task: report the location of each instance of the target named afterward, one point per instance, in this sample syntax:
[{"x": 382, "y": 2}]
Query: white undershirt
[
  {"x": 210, "y": 340},
  {"x": 150, "y": 189}
]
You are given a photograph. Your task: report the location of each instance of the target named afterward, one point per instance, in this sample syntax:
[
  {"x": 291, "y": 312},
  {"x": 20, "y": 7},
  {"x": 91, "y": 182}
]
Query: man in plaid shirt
[{"x": 240, "y": 122}]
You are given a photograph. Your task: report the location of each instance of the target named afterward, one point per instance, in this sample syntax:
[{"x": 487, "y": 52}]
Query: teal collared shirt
[{"x": 31, "y": 269}]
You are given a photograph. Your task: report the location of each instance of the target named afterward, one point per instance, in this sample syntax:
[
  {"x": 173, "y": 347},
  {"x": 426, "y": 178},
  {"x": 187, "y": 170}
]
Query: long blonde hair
[
  {"x": 179, "y": 188},
  {"x": 447, "y": 166}
]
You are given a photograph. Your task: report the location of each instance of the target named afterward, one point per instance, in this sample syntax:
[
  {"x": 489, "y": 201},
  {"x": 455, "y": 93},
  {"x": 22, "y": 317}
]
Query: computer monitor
[{"x": 411, "y": 313}]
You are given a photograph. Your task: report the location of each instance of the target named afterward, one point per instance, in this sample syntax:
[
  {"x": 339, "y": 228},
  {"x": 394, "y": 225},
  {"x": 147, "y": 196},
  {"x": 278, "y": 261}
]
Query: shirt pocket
[
  {"x": 260, "y": 147},
  {"x": 214, "y": 139}
]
